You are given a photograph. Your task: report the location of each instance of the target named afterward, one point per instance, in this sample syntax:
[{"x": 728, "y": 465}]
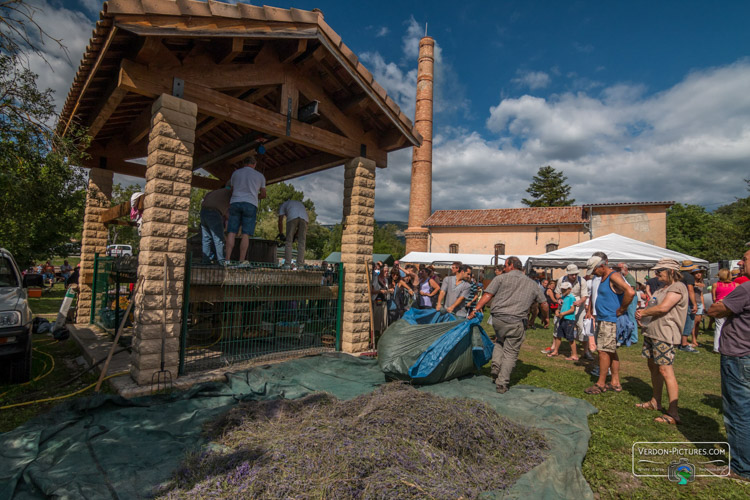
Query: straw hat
[
  {"x": 687, "y": 265},
  {"x": 667, "y": 264}
]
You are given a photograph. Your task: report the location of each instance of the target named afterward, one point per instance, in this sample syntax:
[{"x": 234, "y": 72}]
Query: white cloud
[
  {"x": 532, "y": 79},
  {"x": 59, "y": 64},
  {"x": 92, "y": 6},
  {"x": 689, "y": 143},
  {"x": 383, "y": 31}
]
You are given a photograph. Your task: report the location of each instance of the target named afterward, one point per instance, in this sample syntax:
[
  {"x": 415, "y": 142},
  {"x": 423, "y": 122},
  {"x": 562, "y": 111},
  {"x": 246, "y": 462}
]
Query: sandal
[
  {"x": 667, "y": 419},
  {"x": 571, "y": 358},
  {"x": 595, "y": 389},
  {"x": 648, "y": 405},
  {"x": 616, "y": 388},
  {"x": 552, "y": 355}
]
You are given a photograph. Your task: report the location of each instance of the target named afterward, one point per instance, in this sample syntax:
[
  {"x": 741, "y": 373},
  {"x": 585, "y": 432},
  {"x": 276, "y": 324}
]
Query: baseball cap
[
  {"x": 565, "y": 285},
  {"x": 593, "y": 263}
]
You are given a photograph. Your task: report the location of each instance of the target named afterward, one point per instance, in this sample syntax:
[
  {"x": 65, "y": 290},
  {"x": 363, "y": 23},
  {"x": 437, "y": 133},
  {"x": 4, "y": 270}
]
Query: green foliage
[
  {"x": 43, "y": 195},
  {"x": 386, "y": 241},
  {"x": 712, "y": 236},
  {"x": 548, "y": 189},
  {"x": 687, "y": 229},
  {"x": 194, "y": 212}
]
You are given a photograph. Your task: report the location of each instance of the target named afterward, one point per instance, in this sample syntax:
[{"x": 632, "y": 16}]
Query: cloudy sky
[{"x": 633, "y": 101}]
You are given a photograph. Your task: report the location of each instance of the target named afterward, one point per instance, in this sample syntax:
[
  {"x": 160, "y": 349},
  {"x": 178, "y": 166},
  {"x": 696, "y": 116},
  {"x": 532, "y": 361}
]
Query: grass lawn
[
  {"x": 53, "y": 363},
  {"x": 619, "y": 423}
]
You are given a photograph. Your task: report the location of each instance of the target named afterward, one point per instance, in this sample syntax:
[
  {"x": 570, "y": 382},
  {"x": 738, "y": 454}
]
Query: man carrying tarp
[{"x": 512, "y": 294}]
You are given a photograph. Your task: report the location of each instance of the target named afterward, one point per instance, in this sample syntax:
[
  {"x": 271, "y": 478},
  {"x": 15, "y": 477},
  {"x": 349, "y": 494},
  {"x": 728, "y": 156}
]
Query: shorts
[
  {"x": 700, "y": 310},
  {"x": 566, "y": 329},
  {"x": 606, "y": 336},
  {"x": 661, "y": 352},
  {"x": 242, "y": 215}
]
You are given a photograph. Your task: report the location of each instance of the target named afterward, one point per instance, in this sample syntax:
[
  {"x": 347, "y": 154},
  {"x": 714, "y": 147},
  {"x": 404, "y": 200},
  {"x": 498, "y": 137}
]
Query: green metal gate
[
  {"x": 258, "y": 311},
  {"x": 110, "y": 291}
]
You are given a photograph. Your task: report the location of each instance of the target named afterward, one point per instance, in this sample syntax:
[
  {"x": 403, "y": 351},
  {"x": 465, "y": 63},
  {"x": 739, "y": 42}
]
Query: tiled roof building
[{"x": 535, "y": 230}]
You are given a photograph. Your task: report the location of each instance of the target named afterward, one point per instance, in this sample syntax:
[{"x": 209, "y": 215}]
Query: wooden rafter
[
  {"x": 139, "y": 79},
  {"x": 137, "y": 170}
]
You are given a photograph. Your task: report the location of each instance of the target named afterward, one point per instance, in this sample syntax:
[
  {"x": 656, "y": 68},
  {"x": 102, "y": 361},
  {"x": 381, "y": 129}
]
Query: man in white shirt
[
  {"x": 248, "y": 187},
  {"x": 296, "y": 227}
]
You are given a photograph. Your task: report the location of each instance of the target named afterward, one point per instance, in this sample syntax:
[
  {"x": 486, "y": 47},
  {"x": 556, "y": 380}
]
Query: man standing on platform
[
  {"x": 512, "y": 294},
  {"x": 214, "y": 214},
  {"x": 248, "y": 187},
  {"x": 296, "y": 228}
]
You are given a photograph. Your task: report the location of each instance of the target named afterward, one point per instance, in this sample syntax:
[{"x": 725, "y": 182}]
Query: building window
[
  {"x": 499, "y": 248},
  {"x": 453, "y": 248},
  {"x": 551, "y": 247}
]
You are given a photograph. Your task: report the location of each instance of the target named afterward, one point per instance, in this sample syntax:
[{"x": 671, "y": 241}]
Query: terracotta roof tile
[
  {"x": 192, "y": 8},
  {"x": 507, "y": 217}
]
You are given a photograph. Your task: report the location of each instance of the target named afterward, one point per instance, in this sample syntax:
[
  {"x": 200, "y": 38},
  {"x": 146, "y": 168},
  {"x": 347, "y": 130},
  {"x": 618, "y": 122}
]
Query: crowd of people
[
  {"x": 601, "y": 307},
  {"x": 49, "y": 275},
  {"x": 396, "y": 290}
]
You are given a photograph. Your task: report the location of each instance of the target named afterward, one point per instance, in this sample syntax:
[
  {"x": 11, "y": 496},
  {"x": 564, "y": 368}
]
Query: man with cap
[
  {"x": 686, "y": 268},
  {"x": 614, "y": 296},
  {"x": 512, "y": 294},
  {"x": 248, "y": 187},
  {"x": 734, "y": 346}
]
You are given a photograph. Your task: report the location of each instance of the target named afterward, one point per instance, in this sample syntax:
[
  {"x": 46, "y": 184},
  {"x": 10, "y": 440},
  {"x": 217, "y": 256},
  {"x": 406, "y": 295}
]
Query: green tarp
[{"x": 110, "y": 447}]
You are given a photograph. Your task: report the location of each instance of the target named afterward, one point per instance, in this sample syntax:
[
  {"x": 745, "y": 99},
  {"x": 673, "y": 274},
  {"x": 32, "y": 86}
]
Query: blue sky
[{"x": 634, "y": 101}]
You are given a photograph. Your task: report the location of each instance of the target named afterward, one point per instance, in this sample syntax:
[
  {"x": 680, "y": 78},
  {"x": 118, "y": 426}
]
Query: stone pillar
[
  {"x": 420, "y": 198},
  {"x": 163, "y": 236},
  {"x": 356, "y": 252},
  {"x": 94, "y": 238}
]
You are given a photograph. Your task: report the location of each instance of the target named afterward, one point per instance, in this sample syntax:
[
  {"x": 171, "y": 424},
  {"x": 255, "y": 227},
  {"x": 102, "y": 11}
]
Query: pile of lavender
[{"x": 395, "y": 442}]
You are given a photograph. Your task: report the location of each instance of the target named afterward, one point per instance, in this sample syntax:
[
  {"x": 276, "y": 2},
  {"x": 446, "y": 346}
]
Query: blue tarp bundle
[{"x": 426, "y": 347}]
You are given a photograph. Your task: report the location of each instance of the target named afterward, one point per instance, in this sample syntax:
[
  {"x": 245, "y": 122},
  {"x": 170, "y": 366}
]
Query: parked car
[
  {"x": 119, "y": 250},
  {"x": 15, "y": 323}
]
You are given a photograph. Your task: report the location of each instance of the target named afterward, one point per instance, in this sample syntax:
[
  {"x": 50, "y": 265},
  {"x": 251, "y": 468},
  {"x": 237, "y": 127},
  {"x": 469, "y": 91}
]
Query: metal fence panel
[{"x": 257, "y": 311}]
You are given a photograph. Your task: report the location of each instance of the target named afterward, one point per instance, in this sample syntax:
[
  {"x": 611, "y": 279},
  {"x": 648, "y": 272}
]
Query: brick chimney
[{"x": 420, "y": 199}]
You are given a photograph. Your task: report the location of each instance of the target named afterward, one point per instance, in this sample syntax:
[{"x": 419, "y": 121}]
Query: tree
[
  {"x": 548, "y": 189},
  {"x": 687, "y": 229},
  {"x": 43, "y": 193},
  {"x": 386, "y": 241}
]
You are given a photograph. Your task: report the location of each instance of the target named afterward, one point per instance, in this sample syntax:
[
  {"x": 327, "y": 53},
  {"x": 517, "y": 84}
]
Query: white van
[{"x": 119, "y": 250}]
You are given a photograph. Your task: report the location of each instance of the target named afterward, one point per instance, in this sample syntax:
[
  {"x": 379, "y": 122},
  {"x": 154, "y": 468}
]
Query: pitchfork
[{"x": 161, "y": 381}]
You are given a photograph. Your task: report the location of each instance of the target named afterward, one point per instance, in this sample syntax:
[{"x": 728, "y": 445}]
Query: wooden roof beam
[
  {"x": 309, "y": 165},
  {"x": 105, "y": 109},
  {"x": 153, "y": 51},
  {"x": 139, "y": 79},
  {"x": 123, "y": 167},
  {"x": 226, "y": 50}
]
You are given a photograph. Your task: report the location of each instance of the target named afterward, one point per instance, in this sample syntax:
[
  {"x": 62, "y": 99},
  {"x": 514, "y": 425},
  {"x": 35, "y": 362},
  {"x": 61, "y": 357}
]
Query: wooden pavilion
[{"x": 197, "y": 86}]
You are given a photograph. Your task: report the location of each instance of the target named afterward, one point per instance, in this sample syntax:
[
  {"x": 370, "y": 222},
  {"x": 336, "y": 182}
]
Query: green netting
[
  {"x": 110, "y": 447},
  {"x": 257, "y": 310}
]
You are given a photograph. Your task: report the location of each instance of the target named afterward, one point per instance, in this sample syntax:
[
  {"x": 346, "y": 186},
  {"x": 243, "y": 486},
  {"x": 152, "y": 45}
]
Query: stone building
[{"x": 533, "y": 231}]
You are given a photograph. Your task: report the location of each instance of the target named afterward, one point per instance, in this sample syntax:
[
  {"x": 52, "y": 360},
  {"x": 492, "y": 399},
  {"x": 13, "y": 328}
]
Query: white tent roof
[
  {"x": 636, "y": 254},
  {"x": 471, "y": 259}
]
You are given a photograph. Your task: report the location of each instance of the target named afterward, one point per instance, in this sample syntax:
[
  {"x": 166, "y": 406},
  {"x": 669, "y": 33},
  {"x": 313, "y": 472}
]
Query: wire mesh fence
[
  {"x": 257, "y": 311},
  {"x": 113, "y": 277}
]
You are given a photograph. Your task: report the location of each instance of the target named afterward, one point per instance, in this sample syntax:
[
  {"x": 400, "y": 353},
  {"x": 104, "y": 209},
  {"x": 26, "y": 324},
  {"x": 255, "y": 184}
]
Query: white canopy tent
[
  {"x": 437, "y": 258},
  {"x": 636, "y": 254}
]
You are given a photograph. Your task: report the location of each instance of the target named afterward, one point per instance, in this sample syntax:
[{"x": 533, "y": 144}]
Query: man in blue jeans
[
  {"x": 734, "y": 346},
  {"x": 214, "y": 212},
  {"x": 248, "y": 187}
]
